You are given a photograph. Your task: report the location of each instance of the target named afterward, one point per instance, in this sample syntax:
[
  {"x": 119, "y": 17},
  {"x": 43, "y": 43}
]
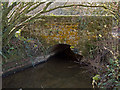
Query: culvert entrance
[
  {"x": 57, "y": 72},
  {"x": 64, "y": 52}
]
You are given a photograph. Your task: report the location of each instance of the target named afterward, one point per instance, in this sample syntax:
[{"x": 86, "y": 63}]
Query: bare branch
[
  {"x": 11, "y": 14},
  {"x": 71, "y": 6},
  {"x": 16, "y": 12},
  {"x": 47, "y": 5},
  {"x": 66, "y": 2},
  {"x": 35, "y": 7}
]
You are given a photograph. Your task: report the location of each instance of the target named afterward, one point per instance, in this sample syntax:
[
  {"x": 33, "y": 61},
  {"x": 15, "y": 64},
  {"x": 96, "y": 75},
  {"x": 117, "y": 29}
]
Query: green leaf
[
  {"x": 96, "y": 77},
  {"x": 111, "y": 61},
  {"x": 72, "y": 47},
  {"x": 12, "y": 48},
  {"x": 104, "y": 84},
  {"x": 110, "y": 81},
  {"x": 110, "y": 74},
  {"x": 99, "y": 84}
]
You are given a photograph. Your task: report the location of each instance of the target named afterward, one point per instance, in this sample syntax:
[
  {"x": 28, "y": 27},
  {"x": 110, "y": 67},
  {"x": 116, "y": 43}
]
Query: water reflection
[{"x": 56, "y": 73}]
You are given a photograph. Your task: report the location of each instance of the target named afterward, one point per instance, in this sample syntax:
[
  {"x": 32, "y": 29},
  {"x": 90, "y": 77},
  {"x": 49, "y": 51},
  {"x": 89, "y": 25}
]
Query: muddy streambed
[{"x": 55, "y": 73}]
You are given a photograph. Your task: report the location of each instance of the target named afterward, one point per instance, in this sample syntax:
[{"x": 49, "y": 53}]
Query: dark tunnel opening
[{"x": 64, "y": 52}]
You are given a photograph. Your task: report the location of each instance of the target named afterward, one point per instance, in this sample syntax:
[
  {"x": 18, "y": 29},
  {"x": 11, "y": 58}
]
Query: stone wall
[{"x": 73, "y": 30}]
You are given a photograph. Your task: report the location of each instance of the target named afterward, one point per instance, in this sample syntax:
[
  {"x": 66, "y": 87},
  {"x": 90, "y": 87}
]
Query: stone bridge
[
  {"x": 72, "y": 30},
  {"x": 80, "y": 32}
]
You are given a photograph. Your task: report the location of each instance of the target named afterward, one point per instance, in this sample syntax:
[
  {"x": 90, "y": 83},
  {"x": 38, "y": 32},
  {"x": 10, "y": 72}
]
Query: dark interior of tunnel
[{"x": 64, "y": 52}]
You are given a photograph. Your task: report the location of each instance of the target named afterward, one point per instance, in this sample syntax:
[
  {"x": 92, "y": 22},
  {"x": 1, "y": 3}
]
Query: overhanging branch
[
  {"x": 75, "y": 5},
  {"x": 45, "y": 11},
  {"x": 47, "y": 5}
]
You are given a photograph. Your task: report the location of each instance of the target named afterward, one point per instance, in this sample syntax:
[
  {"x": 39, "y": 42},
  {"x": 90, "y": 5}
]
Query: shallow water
[{"x": 55, "y": 73}]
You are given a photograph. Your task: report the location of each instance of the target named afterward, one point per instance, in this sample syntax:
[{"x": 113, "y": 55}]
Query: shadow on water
[{"x": 58, "y": 72}]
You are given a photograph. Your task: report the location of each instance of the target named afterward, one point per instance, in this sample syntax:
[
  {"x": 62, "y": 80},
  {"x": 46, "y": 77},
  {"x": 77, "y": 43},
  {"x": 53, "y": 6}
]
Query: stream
[{"x": 55, "y": 73}]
